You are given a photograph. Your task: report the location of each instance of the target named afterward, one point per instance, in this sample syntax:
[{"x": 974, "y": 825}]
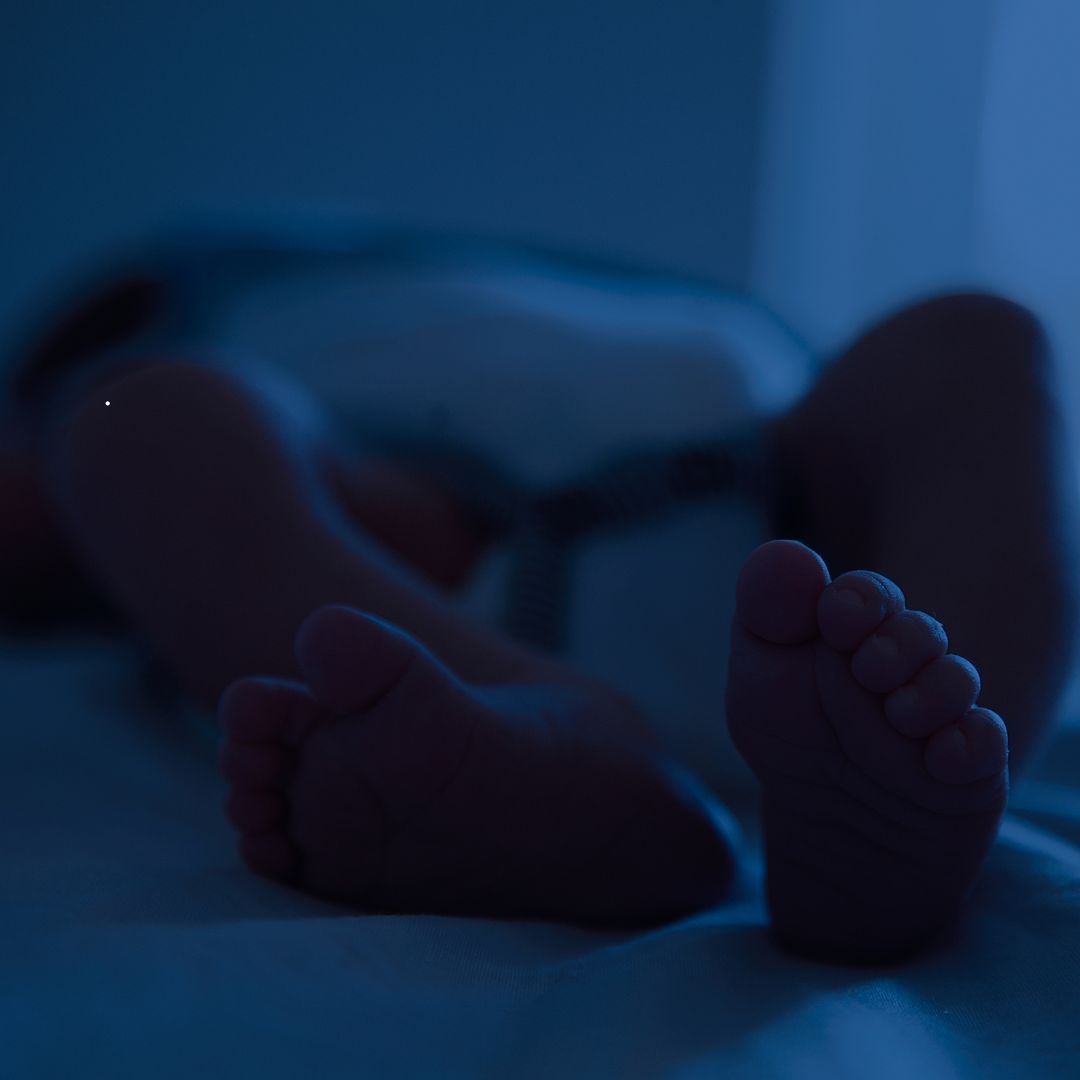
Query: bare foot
[
  {"x": 484, "y": 778},
  {"x": 883, "y": 786},
  {"x": 943, "y": 409},
  {"x": 389, "y": 784}
]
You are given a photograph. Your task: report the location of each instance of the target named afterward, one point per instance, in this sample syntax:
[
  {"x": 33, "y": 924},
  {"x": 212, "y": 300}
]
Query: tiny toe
[
  {"x": 941, "y": 692},
  {"x": 265, "y": 709},
  {"x": 853, "y": 605},
  {"x": 900, "y": 647},
  {"x": 256, "y": 810},
  {"x": 976, "y": 747},
  {"x": 253, "y": 764},
  {"x": 271, "y": 854}
]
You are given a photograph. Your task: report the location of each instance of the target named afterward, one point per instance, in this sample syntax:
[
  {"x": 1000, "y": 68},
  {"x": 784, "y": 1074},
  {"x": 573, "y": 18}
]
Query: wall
[
  {"x": 872, "y": 123},
  {"x": 627, "y": 128},
  {"x": 1028, "y": 202}
]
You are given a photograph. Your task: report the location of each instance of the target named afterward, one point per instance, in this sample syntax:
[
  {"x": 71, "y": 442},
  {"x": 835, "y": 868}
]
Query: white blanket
[{"x": 133, "y": 944}]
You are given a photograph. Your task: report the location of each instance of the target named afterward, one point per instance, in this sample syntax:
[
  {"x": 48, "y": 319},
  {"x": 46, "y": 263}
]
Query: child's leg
[
  {"x": 202, "y": 512},
  {"x": 935, "y": 451},
  {"x": 406, "y": 511},
  {"x": 435, "y": 767},
  {"x": 932, "y": 452}
]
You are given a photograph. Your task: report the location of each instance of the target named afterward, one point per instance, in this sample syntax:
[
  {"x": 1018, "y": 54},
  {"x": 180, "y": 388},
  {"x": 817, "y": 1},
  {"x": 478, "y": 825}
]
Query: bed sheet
[{"x": 133, "y": 944}]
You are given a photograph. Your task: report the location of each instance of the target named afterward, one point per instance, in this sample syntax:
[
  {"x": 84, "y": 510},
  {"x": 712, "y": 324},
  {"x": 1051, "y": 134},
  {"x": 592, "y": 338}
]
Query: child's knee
[{"x": 996, "y": 323}]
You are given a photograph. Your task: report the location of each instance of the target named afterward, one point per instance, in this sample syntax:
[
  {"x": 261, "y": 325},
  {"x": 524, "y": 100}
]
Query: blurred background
[{"x": 831, "y": 157}]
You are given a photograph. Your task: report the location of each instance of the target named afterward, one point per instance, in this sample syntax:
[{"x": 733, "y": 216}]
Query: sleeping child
[{"x": 385, "y": 752}]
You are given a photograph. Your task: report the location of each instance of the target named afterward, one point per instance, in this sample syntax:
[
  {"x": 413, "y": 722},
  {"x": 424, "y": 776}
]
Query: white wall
[
  {"x": 1028, "y": 239},
  {"x": 870, "y": 157},
  {"x": 627, "y": 127}
]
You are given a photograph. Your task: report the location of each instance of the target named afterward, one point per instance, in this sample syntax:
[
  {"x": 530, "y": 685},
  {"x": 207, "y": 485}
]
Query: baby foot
[
  {"x": 883, "y": 786},
  {"x": 387, "y": 783}
]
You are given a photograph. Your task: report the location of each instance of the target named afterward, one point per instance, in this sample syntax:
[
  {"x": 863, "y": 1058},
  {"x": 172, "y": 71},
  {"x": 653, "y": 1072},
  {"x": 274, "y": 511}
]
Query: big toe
[
  {"x": 777, "y": 593},
  {"x": 351, "y": 659}
]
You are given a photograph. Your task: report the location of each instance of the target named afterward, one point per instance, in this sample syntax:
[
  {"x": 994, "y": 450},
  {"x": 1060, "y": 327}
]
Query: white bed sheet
[{"x": 133, "y": 944}]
